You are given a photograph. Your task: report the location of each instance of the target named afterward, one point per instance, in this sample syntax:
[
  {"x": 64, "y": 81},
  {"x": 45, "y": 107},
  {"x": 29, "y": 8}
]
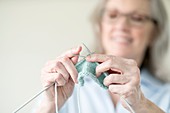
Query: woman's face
[{"x": 127, "y": 28}]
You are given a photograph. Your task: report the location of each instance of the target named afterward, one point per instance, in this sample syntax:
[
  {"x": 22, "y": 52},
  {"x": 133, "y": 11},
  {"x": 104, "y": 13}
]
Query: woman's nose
[{"x": 121, "y": 24}]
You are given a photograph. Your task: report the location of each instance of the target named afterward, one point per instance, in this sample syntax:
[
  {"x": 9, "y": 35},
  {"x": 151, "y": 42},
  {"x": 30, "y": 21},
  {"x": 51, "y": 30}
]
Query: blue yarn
[{"x": 85, "y": 69}]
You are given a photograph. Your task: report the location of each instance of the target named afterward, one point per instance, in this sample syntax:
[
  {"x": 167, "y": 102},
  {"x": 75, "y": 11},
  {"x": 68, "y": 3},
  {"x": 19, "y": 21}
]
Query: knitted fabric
[{"x": 85, "y": 69}]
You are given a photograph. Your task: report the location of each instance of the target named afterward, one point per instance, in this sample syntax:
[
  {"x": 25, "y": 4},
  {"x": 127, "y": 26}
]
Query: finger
[
  {"x": 109, "y": 65},
  {"x": 50, "y": 66},
  {"x": 70, "y": 68},
  {"x": 119, "y": 89},
  {"x": 74, "y": 59},
  {"x": 52, "y": 78},
  {"x": 71, "y": 53},
  {"x": 60, "y": 80},
  {"x": 116, "y": 79},
  {"x": 61, "y": 69},
  {"x": 97, "y": 58}
]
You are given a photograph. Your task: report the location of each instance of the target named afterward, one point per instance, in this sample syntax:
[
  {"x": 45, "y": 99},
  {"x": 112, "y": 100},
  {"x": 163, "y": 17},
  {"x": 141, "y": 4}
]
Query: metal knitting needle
[
  {"x": 89, "y": 52},
  {"x": 128, "y": 105},
  {"x": 32, "y": 98},
  {"x": 79, "y": 55},
  {"x": 87, "y": 48}
]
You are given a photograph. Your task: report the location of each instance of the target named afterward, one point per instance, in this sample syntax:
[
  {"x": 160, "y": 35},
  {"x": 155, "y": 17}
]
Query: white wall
[{"x": 31, "y": 33}]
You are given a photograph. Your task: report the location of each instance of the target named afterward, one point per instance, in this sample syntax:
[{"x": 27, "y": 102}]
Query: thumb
[{"x": 76, "y": 52}]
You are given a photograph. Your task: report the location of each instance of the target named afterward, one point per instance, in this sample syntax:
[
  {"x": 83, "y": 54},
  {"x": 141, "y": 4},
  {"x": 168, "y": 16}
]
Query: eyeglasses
[{"x": 132, "y": 19}]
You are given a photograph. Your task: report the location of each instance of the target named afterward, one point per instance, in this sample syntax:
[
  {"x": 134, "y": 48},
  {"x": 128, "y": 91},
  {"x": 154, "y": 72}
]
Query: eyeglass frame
[{"x": 129, "y": 18}]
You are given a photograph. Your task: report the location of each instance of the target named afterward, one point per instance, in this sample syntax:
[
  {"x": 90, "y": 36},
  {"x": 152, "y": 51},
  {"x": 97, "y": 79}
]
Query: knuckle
[
  {"x": 137, "y": 80},
  {"x": 110, "y": 62},
  {"x": 137, "y": 70},
  {"x": 132, "y": 62},
  {"x": 64, "y": 59},
  {"x": 58, "y": 77},
  {"x": 137, "y": 75}
]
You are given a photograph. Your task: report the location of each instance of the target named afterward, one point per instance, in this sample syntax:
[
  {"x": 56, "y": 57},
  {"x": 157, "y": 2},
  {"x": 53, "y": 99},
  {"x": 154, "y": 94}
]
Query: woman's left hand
[{"x": 124, "y": 78}]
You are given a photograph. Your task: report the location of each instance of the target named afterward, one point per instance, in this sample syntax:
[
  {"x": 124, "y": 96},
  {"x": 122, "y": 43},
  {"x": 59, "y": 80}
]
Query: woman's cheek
[{"x": 140, "y": 37}]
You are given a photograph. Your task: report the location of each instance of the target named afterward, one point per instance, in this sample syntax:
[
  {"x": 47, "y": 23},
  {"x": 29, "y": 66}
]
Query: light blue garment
[{"x": 94, "y": 99}]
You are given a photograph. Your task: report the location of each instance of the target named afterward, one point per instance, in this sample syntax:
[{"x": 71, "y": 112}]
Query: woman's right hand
[{"x": 63, "y": 72}]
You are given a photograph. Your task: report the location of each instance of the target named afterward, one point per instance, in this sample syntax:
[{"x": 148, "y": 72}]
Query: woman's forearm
[
  {"x": 148, "y": 107},
  {"x": 46, "y": 107}
]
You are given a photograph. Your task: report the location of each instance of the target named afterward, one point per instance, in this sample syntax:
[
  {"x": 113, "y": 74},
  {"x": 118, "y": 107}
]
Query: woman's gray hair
[{"x": 157, "y": 52}]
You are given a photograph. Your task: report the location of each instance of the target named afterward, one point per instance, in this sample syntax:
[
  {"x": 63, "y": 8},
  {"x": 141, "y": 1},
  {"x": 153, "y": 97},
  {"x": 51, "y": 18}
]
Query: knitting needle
[
  {"x": 32, "y": 98},
  {"x": 89, "y": 52},
  {"x": 87, "y": 48},
  {"x": 79, "y": 55},
  {"x": 128, "y": 105}
]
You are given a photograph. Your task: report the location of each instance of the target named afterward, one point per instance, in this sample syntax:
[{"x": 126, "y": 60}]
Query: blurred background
[{"x": 33, "y": 32}]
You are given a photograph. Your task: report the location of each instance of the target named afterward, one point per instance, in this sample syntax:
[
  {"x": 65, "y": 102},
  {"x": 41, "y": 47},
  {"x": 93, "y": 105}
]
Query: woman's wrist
[{"x": 141, "y": 107}]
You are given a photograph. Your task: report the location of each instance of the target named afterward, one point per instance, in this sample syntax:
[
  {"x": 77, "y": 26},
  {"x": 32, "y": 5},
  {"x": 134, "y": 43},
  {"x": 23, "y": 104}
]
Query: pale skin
[{"x": 124, "y": 46}]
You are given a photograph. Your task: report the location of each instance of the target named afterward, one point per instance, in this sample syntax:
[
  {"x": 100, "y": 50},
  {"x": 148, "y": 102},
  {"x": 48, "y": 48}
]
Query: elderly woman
[{"x": 132, "y": 37}]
